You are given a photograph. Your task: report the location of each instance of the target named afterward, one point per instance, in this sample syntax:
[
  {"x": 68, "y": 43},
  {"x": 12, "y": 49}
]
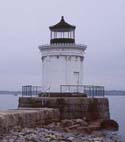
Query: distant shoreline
[
  {"x": 107, "y": 93},
  {"x": 10, "y": 92}
]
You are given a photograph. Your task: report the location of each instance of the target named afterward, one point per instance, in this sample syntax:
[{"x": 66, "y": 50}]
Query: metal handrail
[
  {"x": 30, "y": 90},
  {"x": 62, "y": 45},
  {"x": 89, "y": 90}
]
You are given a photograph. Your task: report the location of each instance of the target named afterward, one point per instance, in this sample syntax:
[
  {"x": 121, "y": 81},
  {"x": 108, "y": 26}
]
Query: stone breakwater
[
  {"x": 27, "y": 118},
  {"x": 44, "y": 125},
  {"x": 64, "y": 120},
  {"x": 47, "y": 135}
]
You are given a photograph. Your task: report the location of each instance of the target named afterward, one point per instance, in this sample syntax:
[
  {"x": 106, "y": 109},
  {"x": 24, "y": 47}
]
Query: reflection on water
[{"x": 117, "y": 106}]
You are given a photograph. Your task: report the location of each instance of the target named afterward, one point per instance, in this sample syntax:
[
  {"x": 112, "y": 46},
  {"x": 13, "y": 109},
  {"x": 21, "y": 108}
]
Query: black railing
[
  {"x": 89, "y": 90},
  {"x": 30, "y": 90}
]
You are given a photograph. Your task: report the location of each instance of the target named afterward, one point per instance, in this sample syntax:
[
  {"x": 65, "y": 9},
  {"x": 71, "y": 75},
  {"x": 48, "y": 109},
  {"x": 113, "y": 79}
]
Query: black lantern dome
[{"x": 62, "y": 32}]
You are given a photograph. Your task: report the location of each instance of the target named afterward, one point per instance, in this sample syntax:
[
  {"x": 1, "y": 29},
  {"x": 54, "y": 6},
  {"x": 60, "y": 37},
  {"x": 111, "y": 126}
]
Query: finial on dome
[{"x": 62, "y": 18}]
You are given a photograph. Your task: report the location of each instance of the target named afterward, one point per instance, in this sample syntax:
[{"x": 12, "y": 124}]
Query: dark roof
[{"x": 62, "y": 26}]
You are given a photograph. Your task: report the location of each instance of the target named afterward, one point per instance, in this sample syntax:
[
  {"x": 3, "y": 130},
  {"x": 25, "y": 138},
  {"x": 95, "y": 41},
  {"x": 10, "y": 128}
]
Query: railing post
[
  {"x": 60, "y": 88},
  {"x": 69, "y": 88},
  {"x": 103, "y": 92}
]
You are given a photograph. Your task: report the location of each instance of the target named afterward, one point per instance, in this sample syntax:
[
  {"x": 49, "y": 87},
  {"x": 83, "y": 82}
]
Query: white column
[
  {"x": 81, "y": 70},
  {"x": 66, "y": 70}
]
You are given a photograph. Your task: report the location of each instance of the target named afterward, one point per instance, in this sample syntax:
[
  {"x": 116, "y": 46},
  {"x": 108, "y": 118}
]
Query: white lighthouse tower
[{"x": 62, "y": 59}]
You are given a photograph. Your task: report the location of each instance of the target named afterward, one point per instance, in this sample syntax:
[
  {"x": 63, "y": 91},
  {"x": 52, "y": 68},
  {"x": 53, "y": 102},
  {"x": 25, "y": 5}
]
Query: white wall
[{"x": 61, "y": 66}]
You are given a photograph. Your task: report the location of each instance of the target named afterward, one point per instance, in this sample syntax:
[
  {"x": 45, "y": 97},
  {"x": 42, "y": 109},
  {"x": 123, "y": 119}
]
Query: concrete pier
[
  {"x": 71, "y": 107},
  {"x": 28, "y": 118}
]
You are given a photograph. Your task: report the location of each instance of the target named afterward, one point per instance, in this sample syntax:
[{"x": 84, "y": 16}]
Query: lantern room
[{"x": 62, "y": 32}]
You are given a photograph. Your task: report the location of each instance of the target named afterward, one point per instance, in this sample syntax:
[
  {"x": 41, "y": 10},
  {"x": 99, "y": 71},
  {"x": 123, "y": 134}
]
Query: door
[
  {"x": 76, "y": 78},
  {"x": 76, "y": 81}
]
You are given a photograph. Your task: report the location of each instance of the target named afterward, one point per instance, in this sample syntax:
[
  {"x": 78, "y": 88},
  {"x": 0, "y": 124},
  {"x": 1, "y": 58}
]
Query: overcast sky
[{"x": 24, "y": 26}]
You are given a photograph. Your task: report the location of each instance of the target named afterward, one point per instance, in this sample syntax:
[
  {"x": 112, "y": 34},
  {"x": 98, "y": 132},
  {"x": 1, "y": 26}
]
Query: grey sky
[{"x": 24, "y": 26}]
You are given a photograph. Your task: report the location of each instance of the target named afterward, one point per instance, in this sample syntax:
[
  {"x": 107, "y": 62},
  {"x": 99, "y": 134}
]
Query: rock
[
  {"x": 98, "y": 139},
  {"x": 84, "y": 118},
  {"x": 66, "y": 129},
  {"x": 74, "y": 126},
  {"x": 66, "y": 122},
  {"x": 98, "y": 134},
  {"x": 70, "y": 138},
  {"x": 51, "y": 137},
  {"x": 45, "y": 135},
  {"x": 78, "y": 120},
  {"x": 51, "y": 125},
  {"x": 81, "y": 122},
  {"x": 66, "y": 140},
  {"x": 109, "y": 125}
]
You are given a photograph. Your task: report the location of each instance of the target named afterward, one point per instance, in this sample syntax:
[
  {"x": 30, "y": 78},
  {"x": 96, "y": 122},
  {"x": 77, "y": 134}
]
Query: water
[
  {"x": 117, "y": 106},
  {"x": 8, "y": 102}
]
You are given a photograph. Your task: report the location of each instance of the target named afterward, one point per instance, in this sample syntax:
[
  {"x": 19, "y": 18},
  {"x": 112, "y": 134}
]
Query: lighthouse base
[{"x": 71, "y": 107}]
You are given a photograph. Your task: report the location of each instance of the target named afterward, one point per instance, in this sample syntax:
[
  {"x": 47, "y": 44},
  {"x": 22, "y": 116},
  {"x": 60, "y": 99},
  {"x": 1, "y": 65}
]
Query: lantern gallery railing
[
  {"x": 62, "y": 45},
  {"x": 30, "y": 90},
  {"x": 89, "y": 90}
]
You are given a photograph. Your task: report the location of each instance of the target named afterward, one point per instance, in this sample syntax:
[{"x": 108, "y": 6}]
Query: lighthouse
[{"x": 62, "y": 59}]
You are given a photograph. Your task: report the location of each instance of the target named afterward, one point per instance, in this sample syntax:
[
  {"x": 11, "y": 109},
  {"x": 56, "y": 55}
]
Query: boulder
[
  {"x": 74, "y": 126},
  {"x": 66, "y": 123},
  {"x": 109, "y": 125},
  {"x": 81, "y": 122}
]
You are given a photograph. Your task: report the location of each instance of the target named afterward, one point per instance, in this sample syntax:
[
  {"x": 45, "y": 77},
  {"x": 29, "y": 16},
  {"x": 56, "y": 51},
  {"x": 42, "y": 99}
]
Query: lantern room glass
[{"x": 58, "y": 35}]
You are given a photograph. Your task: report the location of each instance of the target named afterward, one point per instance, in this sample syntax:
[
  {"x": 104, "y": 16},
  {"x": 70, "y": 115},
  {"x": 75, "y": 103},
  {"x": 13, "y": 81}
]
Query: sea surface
[
  {"x": 117, "y": 112},
  {"x": 116, "y": 103}
]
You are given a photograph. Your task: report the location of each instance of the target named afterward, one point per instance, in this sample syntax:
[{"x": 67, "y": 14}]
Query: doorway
[{"x": 76, "y": 78}]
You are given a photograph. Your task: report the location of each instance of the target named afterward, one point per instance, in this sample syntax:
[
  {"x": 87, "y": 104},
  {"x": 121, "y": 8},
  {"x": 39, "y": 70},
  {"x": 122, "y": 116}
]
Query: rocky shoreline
[
  {"x": 45, "y": 125},
  {"x": 75, "y": 130},
  {"x": 48, "y": 135}
]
